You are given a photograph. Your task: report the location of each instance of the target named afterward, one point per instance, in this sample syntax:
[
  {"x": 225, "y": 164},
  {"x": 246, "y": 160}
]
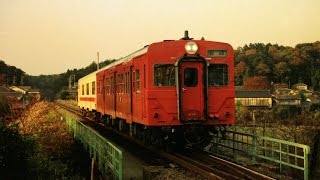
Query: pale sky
[{"x": 51, "y": 36}]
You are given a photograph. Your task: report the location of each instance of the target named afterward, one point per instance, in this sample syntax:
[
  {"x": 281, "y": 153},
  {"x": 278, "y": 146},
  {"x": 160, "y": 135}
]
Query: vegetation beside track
[{"x": 39, "y": 146}]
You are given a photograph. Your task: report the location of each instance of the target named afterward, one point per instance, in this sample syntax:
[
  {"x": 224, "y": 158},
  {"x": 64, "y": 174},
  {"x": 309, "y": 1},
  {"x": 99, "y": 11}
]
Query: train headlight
[{"x": 191, "y": 47}]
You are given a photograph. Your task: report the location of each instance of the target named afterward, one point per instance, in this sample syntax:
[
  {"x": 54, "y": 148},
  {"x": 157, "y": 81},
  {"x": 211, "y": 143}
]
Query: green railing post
[
  {"x": 271, "y": 149},
  {"x": 108, "y": 156},
  {"x": 280, "y": 158},
  {"x": 234, "y": 145},
  {"x": 306, "y": 152},
  {"x": 254, "y": 147}
]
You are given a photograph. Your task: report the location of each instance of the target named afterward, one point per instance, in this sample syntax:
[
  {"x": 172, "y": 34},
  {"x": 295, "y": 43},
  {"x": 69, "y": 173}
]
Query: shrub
[{"x": 15, "y": 151}]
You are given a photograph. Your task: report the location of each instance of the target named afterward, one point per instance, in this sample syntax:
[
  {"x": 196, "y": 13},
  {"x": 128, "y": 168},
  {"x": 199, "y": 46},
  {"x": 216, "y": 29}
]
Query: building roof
[
  {"x": 299, "y": 84},
  {"x": 279, "y": 85},
  {"x": 11, "y": 94},
  {"x": 4, "y": 89},
  {"x": 238, "y": 88},
  {"x": 253, "y": 94},
  {"x": 33, "y": 91},
  {"x": 288, "y": 97},
  {"x": 27, "y": 88},
  {"x": 283, "y": 89}
]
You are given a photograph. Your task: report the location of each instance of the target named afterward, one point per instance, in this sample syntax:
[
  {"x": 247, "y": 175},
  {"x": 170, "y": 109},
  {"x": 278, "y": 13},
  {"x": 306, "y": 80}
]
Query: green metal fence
[
  {"x": 242, "y": 147},
  {"x": 108, "y": 157}
]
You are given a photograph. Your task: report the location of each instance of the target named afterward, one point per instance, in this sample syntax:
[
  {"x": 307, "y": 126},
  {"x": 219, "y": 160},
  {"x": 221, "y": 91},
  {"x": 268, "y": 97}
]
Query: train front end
[{"x": 193, "y": 89}]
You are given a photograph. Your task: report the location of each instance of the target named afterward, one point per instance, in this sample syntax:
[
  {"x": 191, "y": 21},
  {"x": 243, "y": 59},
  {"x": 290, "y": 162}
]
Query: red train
[{"x": 174, "y": 91}]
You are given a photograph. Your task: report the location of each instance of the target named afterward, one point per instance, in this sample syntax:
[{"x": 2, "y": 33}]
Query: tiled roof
[
  {"x": 283, "y": 97},
  {"x": 253, "y": 94},
  {"x": 24, "y": 87},
  {"x": 4, "y": 89},
  {"x": 283, "y": 89},
  {"x": 33, "y": 91},
  {"x": 300, "y": 84},
  {"x": 15, "y": 94}
]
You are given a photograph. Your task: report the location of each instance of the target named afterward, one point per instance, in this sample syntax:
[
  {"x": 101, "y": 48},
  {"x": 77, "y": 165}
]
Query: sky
[{"x": 52, "y": 36}]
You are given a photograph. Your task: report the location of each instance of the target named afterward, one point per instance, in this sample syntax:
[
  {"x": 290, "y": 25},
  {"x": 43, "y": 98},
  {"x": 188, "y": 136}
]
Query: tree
[
  {"x": 15, "y": 153},
  {"x": 262, "y": 69},
  {"x": 4, "y": 106},
  {"x": 281, "y": 69},
  {"x": 64, "y": 94},
  {"x": 241, "y": 70}
]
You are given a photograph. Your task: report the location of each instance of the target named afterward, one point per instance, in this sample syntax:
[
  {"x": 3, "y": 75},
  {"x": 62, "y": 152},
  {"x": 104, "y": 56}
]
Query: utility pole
[
  {"x": 14, "y": 80},
  {"x": 70, "y": 82},
  {"x": 74, "y": 80},
  {"x": 21, "y": 80}
]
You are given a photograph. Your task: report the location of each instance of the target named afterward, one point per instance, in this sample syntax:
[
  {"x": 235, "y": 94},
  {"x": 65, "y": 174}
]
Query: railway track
[
  {"x": 204, "y": 164},
  {"x": 221, "y": 167}
]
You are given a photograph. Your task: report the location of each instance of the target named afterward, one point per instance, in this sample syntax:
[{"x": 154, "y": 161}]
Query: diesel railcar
[{"x": 174, "y": 92}]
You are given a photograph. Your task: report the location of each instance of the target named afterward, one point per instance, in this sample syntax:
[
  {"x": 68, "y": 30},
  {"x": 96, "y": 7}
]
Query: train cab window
[
  {"x": 164, "y": 75},
  {"x": 218, "y": 75},
  {"x": 190, "y": 77},
  {"x": 82, "y": 89},
  {"x": 93, "y": 87},
  {"x": 87, "y": 87}
]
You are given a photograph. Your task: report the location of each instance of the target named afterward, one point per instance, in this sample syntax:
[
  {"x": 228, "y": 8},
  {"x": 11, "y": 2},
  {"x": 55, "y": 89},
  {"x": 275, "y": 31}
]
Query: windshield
[
  {"x": 164, "y": 75},
  {"x": 218, "y": 75}
]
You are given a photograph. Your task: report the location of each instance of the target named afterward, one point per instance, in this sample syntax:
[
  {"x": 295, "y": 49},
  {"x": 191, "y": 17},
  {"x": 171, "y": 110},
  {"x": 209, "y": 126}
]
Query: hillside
[{"x": 50, "y": 86}]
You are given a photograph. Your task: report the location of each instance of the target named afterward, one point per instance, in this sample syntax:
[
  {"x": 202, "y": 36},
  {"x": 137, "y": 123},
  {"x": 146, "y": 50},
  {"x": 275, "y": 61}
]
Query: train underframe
[{"x": 168, "y": 137}]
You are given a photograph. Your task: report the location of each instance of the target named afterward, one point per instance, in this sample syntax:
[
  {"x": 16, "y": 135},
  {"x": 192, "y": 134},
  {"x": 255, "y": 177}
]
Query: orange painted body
[{"x": 127, "y": 90}]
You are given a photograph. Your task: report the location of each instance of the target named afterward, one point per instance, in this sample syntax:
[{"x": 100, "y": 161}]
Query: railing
[
  {"x": 242, "y": 147},
  {"x": 108, "y": 156}
]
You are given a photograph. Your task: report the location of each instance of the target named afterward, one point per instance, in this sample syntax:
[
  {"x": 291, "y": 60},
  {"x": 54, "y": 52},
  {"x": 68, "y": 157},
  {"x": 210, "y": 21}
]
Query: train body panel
[{"x": 87, "y": 92}]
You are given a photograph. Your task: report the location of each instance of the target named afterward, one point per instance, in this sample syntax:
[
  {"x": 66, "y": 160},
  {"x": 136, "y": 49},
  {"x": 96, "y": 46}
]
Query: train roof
[
  {"x": 140, "y": 52},
  {"x": 121, "y": 60}
]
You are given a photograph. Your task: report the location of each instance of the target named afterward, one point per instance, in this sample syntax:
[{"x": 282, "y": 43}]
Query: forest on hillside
[
  {"x": 267, "y": 63},
  {"x": 50, "y": 86},
  {"x": 279, "y": 64}
]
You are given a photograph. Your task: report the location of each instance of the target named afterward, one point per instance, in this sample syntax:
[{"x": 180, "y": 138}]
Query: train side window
[
  {"x": 164, "y": 75},
  {"x": 107, "y": 86},
  {"x": 112, "y": 85},
  {"x": 82, "y": 89},
  {"x": 118, "y": 85},
  {"x": 121, "y": 83},
  {"x": 133, "y": 81},
  {"x": 218, "y": 75},
  {"x": 87, "y": 88},
  {"x": 190, "y": 77},
  {"x": 127, "y": 81},
  {"x": 93, "y": 88},
  {"x": 99, "y": 86},
  {"x": 137, "y": 81}
]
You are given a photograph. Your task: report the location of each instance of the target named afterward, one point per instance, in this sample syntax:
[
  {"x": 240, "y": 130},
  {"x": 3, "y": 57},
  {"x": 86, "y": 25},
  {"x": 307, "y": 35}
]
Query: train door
[
  {"x": 131, "y": 93},
  {"x": 192, "y": 89}
]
